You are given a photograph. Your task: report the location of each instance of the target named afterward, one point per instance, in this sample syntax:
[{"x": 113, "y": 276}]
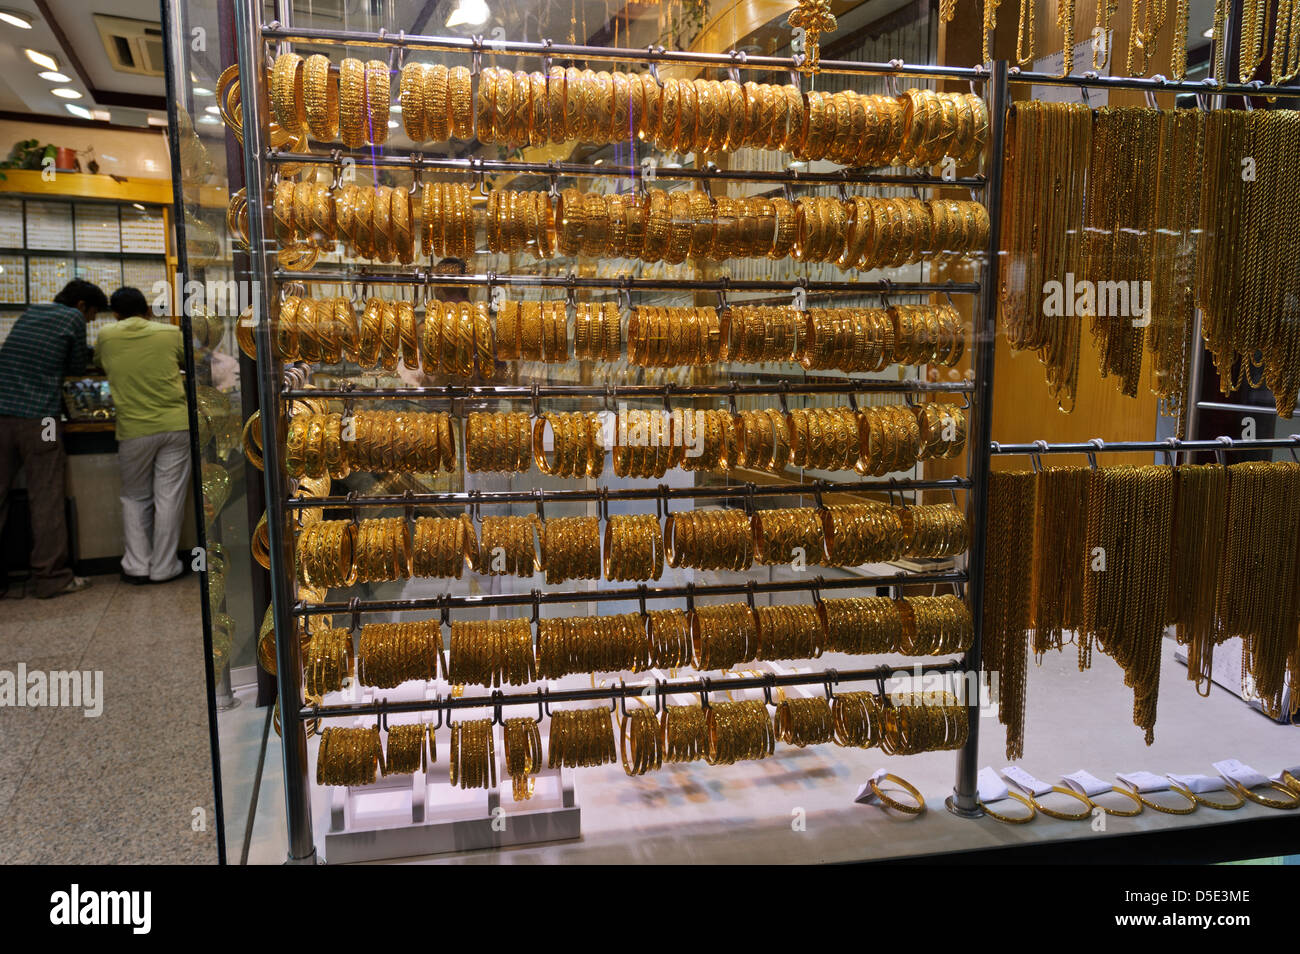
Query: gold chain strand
[
  {"x": 1178, "y": 51},
  {"x": 1285, "y": 65},
  {"x": 1199, "y": 525},
  {"x": 1025, "y": 34},
  {"x": 1065, "y": 20},
  {"x": 1101, "y": 36},
  {"x": 1060, "y": 521},
  {"x": 1007, "y": 595},
  {"x": 1254, "y": 38}
]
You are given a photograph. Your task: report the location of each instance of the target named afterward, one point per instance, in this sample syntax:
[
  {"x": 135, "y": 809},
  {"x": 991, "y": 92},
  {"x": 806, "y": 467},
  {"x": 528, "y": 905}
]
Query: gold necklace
[
  {"x": 1101, "y": 35},
  {"x": 990, "y": 24},
  {"x": 1025, "y": 34},
  {"x": 1253, "y": 37},
  {"x": 1178, "y": 52},
  {"x": 1285, "y": 65},
  {"x": 1065, "y": 20}
]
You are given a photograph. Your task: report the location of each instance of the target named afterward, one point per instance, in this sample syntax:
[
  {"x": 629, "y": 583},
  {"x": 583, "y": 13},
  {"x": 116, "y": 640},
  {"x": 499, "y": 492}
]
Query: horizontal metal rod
[
  {"x": 500, "y": 497},
  {"x": 1169, "y": 444},
  {"x": 426, "y": 277},
  {"x": 1204, "y": 87},
  {"x": 1243, "y": 408},
  {"x": 523, "y": 392},
  {"x": 691, "y": 591},
  {"x": 658, "y": 690},
  {"x": 418, "y": 160},
  {"x": 546, "y": 48}
]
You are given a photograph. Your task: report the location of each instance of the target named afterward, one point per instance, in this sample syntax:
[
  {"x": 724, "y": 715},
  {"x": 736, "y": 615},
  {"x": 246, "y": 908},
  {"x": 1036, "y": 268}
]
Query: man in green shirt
[
  {"x": 143, "y": 360},
  {"x": 46, "y": 343}
]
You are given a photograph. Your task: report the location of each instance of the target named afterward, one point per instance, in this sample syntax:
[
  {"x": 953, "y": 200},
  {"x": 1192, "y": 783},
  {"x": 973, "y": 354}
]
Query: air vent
[{"x": 133, "y": 46}]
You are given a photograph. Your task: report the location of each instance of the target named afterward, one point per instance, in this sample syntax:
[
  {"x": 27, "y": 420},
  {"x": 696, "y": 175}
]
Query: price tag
[
  {"x": 990, "y": 786},
  {"x": 1086, "y": 783},
  {"x": 1199, "y": 783},
  {"x": 1240, "y": 773},
  {"x": 1145, "y": 781},
  {"x": 1034, "y": 786}
]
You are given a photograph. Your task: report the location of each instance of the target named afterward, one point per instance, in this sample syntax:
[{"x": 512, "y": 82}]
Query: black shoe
[{"x": 134, "y": 580}]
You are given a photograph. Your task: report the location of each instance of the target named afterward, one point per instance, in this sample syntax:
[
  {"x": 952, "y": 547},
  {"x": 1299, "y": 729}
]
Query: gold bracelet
[{"x": 1011, "y": 819}]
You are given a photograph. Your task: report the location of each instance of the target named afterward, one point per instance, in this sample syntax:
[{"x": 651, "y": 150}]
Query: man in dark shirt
[{"x": 46, "y": 343}]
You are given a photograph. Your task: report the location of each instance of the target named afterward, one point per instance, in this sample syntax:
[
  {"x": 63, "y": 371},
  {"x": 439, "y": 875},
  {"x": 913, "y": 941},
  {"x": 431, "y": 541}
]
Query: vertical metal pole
[
  {"x": 253, "y": 94},
  {"x": 180, "y": 96},
  {"x": 963, "y": 800}
]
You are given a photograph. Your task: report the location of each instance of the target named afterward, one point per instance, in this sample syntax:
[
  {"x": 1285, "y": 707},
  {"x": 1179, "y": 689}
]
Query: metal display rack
[{"x": 252, "y": 38}]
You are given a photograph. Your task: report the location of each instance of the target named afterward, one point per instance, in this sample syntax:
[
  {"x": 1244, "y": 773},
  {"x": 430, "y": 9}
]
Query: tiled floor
[{"x": 122, "y": 787}]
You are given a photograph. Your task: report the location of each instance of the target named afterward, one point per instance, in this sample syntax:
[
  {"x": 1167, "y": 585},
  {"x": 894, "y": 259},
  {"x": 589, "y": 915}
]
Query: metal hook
[
  {"x": 622, "y": 698},
  {"x": 536, "y": 595},
  {"x": 640, "y": 595},
  {"x": 1100, "y": 445},
  {"x": 1219, "y": 453},
  {"x": 1036, "y": 459},
  {"x": 832, "y": 679},
  {"x": 690, "y": 598},
  {"x": 496, "y": 707},
  {"x": 705, "y": 683},
  {"x": 661, "y": 502}
]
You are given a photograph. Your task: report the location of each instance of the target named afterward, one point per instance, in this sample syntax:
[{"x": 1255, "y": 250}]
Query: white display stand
[{"x": 422, "y": 814}]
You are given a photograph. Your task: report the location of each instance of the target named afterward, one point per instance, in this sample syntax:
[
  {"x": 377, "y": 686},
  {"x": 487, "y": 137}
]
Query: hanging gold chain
[
  {"x": 1253, "y": 37},
  {"x": 1065, "y": 20},
  {"x": 1101, "y": 35},
  {"x": 1178, "y": 52},
  {"x": 1025, "y": 34}
]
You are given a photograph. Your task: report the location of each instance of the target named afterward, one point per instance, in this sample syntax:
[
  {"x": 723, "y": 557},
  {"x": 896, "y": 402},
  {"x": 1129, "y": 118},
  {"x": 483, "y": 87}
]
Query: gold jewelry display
[
  {"x": 491, "y": 652},
  {"x": 640, "y": 742},
  {"x": 857, "y": 719},
  {"x": 1200, "y": 799},
  {"x": 1008, "y": 588},
  {"x": 782, "y": 536},
  {"x": 1165, "y": 809},
  {"x": 581, "y": 738},
  {"x": 324, "y": 555},
  {"x": 577, "y": 450},
  {"x": 444, "y": 546},
  {"x": 499, "y": 442},
  {"x": 1121, "y": 812},
  {"x": 349, "y": 756},
  {"x": 473, "y": 754},
  {"x": 1062, "y": 815},
  {"x": 570, "y": 548},
  {"x": 685, "y": 733},
  {"x": 921, "y": 722},
  {"x": 1060, "y": 536}
]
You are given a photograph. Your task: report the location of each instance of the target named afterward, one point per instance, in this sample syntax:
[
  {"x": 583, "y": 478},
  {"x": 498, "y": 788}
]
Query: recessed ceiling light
[
  {"x": 15, "y": 19},
  {"x": 80, "y": 111},
  {"x": 137, "y": 205},
  {"x": 43, "y": 60},
  {"x": 54, "y": 77},
  {"x": 66, "y": 92},
  {"x": 1209, "y": 34}
]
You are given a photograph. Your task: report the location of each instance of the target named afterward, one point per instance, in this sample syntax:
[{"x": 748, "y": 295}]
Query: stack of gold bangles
[
  {"x": 577, "y": 446},
  {"x": 581, "y": 738},
  {"x": 738, "y": 731},
  {"x": 804, "y": 721},
  {"x": 499, "y": 442},
  {"x": 444, "y": 546},
  {"x": 582, "y": 644},
  {"x": 915, "y": 724},
  {"x": 327, "y": 661},
  {"x": 523, "y": 754},
  {"x": 533, "y": 331},
  {"x": 674, "y": 337},
  {"x": 641, "y": 742},
  {"x": 491, "y": 652},
  {"x": 597, "y": 333},
  {"x": 709, "y": 540},
  {"x": 473, "y": 754},
  {"x": 570, "y": 548},
  {"x": 507, "y": 546},
  {"x": 349, "y": 756},
  {"x": 411, "y": 748},
  {"x": 457, "y": 340},
  {"x": 788, "y": 632},
  {"x": 377, "y": 441},
  {"x": 634, "y": 547},
  {"x": 392, "y": 653},
  {"x": 723, "y": 635}
]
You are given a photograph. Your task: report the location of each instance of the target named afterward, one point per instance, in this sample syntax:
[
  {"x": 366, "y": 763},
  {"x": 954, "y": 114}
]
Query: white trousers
[{"x": 155, "y": 475}]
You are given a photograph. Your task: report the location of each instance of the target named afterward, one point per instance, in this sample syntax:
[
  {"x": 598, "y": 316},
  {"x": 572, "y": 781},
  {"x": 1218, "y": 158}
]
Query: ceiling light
[
  {"x": 215, "y": 111},
  {"x": 43, "y": 60},
  {"x": 202, "y": 91},
  {"x": 137, "y": 205},
  {"x": 66, "y": 92},
  {"x": 1209, "y": 34},
  {"x": 471, "y": 12},
  {"x": 103, "y": 116},
  {"x": 54, "y": 77},
  {"x": 159, "y": 121},
  {"x": 209, "y": 119},
  {"x": 393, "y": 124},
  {"x": 79, "y": 111},
  {"x": 15, "y": 19},
  {"x": 395, "y": 108}
]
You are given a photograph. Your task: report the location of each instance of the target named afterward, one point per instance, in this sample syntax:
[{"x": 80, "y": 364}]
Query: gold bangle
[
  {"x": 411, "y": 96},
  {"x": 377, "y": 101},
  {"x": 321, "y": 98},
  {"x": 437, "y": 113},
  {"x": 1120, "y": 812},
  {"x": 1202, "y": 800},
  {"x": 1011, "y": 819},
  {"x": 1166, "y": 809},
  {"x": 1066, "y": 816},
  {"x": 888, "y": 802},
  {"x": 287, "y": 92},
  {"x": 1293, "y": 798}
]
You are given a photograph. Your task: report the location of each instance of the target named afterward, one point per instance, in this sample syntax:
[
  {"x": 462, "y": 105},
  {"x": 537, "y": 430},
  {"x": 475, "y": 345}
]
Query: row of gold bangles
[
  {"x": 632, "y": 547},
  {"x": 875, "y": 440},
  {"x": 845, "y": 339},
  {"x": 390, "y": 224},
  {"x": 466, "y": 339},
  {"x": 495, "y": 653},
  {"x": 351, "y": 104},
  {"x": 858, "y": 232},
  {"x": 382, "y": 223}
]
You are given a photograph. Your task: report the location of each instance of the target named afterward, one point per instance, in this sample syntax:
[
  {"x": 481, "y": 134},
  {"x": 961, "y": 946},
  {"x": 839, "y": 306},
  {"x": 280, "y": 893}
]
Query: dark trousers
[{"x": 46, "y": 462}]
